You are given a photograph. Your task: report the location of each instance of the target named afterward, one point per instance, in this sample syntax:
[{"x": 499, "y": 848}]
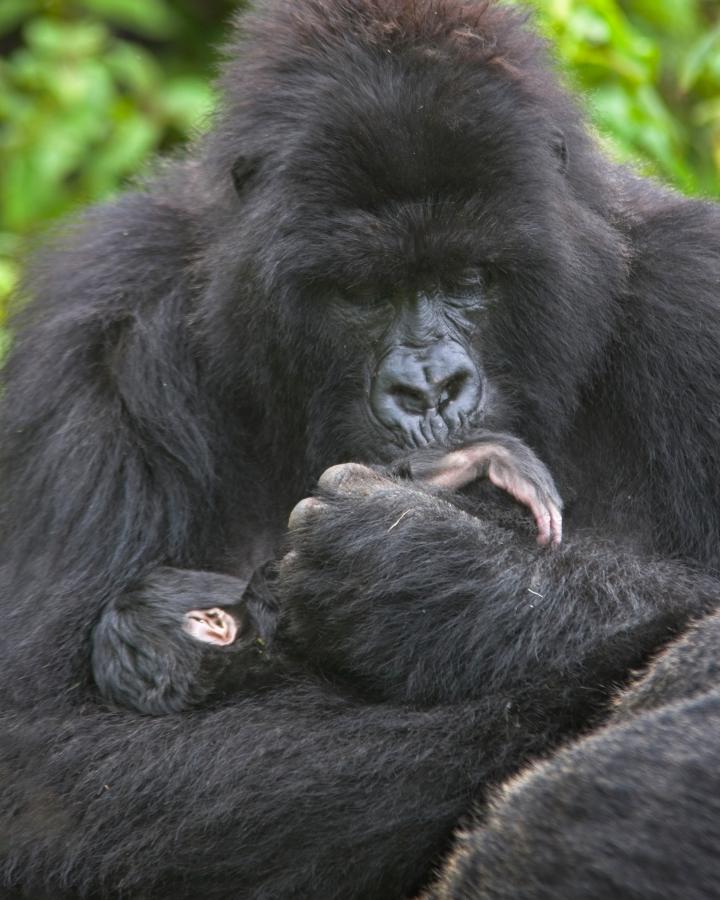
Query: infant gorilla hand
[{"x": 506, "y": 462}]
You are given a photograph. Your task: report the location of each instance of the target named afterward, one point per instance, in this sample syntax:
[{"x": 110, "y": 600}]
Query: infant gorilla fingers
[
  {"x": 504, "y": 460},
  {"x": 507, "y": 463}
]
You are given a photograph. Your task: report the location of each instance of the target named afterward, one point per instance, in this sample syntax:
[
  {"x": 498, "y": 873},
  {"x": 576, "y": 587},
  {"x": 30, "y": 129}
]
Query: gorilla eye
[
  {"x": 365, "y": 298},
  {"x": 477, "y": 281}
]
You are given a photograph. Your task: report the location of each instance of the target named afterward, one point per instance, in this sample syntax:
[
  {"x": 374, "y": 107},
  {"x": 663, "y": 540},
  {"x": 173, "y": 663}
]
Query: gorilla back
[{"x": 397, "y": 233}]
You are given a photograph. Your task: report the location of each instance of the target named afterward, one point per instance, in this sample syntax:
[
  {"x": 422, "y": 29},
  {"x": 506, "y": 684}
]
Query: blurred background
[{"x": 90, "y": 89}]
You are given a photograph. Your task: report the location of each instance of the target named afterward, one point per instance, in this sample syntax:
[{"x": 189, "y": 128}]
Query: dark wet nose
[{"x": 440, "y": 378}]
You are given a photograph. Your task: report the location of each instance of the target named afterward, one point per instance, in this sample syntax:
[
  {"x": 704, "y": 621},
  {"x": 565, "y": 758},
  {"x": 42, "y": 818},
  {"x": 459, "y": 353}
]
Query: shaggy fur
[
  {"x": 196, "y": 353},
  {"x": 631, "y": 812}
]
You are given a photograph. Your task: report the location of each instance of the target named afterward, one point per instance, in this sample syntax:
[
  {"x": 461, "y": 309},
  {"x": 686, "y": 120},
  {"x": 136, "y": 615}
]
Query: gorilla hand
[
  {"x": 381, "y": 571},
  {"x": 395, "y": 589},
  {"x": 506, "y": 462}
]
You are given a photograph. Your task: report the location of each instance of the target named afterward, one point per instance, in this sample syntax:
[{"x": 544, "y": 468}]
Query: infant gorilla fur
[{"x": 156, "y": 652}]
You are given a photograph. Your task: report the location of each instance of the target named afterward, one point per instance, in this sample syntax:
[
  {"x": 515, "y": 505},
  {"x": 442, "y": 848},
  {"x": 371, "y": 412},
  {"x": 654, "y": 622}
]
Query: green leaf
[
  {"x": 188, "y": 103},
  {"x": 133, "y": 138},
  {"x": 698, "y": 56},
  {"x": 586, "y": 25},
  {"x": 54, "y": 38},
  {"x": 83, "y": 88},
  {"x": 707, "y": 113},
  {"x": 9, "y": 277},
  {"x": 678, "y": 17},
  {"x": 13, "y": 12},
  {"x": 133, "y": 67},
  {"x": 150, "y": 18}
]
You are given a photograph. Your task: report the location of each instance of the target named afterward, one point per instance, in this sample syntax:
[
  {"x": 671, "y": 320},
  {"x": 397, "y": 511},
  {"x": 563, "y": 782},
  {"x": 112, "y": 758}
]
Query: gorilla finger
[
  {"x": 418, "y": 437},
  {"x": 455, "y": 470},
  {"x": 544, "y": 518},
  {"x": 549, "y": 521},
  {"x": 440, "y": 429},
  {"x": 452, "y": 419},
  {"x": 556, "y": 523},
  {"x": 546, "y": 513},
  {"x": 303, "y": 511},
  {"x": 351, "y": 478},
  {"x": 546, "y": 484}
]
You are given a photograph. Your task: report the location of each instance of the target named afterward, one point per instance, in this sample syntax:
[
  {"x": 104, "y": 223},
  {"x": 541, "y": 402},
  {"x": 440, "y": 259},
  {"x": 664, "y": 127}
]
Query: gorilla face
[
  {"x": 424, "y": 380},
  {"x": 411, "y": 364},
  {"x": 413, "y": 230},
  {"x": 426, "y": 384}
]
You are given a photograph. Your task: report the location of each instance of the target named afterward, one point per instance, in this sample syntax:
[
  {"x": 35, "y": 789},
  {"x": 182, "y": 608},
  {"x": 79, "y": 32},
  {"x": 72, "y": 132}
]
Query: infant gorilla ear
[
  {"x": 155, "y": 651},
  {"x": 211, "y": 626}
]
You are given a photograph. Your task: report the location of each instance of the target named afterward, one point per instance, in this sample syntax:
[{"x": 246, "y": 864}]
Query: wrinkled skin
[{"x": 397, "y": 241}]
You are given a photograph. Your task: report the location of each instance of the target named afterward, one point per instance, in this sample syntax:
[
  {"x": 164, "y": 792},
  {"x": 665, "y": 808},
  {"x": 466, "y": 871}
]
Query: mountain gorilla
[{"x": 397, "y": 245}]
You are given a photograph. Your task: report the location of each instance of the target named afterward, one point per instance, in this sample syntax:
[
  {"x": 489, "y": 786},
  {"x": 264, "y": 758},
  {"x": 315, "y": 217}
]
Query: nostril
[
  {"x": 451, "y": 389},
  {"x": 410, "y": 399}
]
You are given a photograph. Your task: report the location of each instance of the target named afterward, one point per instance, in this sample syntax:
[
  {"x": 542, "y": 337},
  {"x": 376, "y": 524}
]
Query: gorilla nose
[
  {"x": 410, "y": 383},
  {"x": 416, "y": 397}
]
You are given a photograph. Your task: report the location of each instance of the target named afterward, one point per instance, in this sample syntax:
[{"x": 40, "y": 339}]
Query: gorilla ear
[
  {"x": 560, "y": 150},
  {"x": 211, "y": 626},
  {"x": 243, "y": 169}
]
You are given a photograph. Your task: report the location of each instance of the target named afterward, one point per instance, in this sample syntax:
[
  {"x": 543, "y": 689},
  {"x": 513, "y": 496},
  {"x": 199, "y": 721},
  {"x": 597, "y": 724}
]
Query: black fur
[
  {"x": 142, "y": 658},
  {"x": 197, "y": 352},
  {"x": 631, "y": 812}
]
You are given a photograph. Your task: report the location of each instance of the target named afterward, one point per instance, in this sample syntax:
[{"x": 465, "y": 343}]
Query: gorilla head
[{"x": 419, "y": 230}]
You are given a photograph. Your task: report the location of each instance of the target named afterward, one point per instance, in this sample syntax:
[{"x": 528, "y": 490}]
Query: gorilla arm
[
  {"x": 110, "y": 448},
  {"x": 292, "y": 792},
  {"x": 410, "y": 597}
]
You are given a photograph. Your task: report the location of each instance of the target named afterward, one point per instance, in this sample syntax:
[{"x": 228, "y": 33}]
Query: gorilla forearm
[
  {"x": 402, "y": 592},
  {"x": 304, "y": 794}
]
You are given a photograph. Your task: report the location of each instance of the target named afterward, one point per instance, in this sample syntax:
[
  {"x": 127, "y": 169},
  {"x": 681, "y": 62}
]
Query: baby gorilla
[{"x": 157, "y": 652}]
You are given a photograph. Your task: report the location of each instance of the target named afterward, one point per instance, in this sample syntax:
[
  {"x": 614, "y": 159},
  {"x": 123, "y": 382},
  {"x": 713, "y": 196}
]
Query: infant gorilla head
[{"x": 157, "y": 651}]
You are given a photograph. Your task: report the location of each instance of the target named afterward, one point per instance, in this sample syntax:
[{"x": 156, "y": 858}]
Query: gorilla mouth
[{"x": 435, "y": 427}]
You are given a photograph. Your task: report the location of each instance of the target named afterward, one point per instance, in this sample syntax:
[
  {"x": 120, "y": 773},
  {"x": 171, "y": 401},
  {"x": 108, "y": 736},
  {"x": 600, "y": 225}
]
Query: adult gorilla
[{"x": 397, "y": 233}]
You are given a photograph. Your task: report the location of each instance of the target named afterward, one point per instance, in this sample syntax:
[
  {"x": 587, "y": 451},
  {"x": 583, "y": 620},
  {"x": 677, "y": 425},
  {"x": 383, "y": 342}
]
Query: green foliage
[
  {"x": 90, "y": 89},
  {"x": 650, "y": 71}
]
